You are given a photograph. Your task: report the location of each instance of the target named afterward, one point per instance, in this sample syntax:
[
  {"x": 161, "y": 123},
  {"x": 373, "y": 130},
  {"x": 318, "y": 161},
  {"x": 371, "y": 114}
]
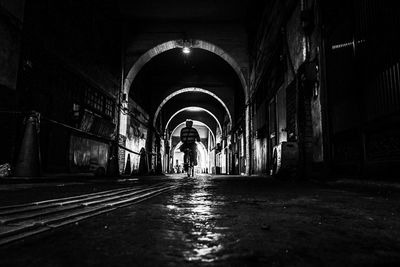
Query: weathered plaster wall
[
  {"x": 11, "y": 19},
  {"x": 283, "y": 48},
  {"x": 304, "y": 48},
  {"x": 89, "y": 43},
  {"x": 136, "y": 136}
]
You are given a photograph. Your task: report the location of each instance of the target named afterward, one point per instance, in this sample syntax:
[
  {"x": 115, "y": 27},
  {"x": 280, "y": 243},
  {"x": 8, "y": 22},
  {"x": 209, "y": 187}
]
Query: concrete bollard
[
  {"x": 143, "y": 165},
  {"x": 28, "y": 161},
  {"x": 112, "y": 168},
  {"x": 128, "y": 168},
  {"x": 158, "y": 164}
]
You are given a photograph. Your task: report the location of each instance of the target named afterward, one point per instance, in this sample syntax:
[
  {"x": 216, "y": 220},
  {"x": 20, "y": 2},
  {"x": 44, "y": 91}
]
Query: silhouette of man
[{"x": 189, "y": 136}]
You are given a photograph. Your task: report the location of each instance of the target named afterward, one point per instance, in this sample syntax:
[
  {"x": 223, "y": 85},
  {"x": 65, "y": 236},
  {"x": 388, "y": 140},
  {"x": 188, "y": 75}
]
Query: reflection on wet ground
[
  {"x": 197, "y": 209},
  {"x": 228, "y": 221}
]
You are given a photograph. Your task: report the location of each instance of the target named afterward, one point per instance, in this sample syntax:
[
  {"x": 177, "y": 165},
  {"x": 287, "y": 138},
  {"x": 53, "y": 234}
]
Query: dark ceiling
[
  {"x": 171, "y": 70},
  {"x": 204, "y": 10},
  {"x": 89, "y": 34}
]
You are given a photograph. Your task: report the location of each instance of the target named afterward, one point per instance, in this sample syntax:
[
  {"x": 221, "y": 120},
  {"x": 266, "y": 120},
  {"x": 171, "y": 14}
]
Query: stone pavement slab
[{"x": 229, "y": 221}]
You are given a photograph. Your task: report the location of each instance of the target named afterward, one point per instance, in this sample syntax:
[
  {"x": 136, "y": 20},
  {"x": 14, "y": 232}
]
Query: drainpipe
[
  {"x": 303, "y": 170},
  {"x": 248, "y": 138},
  {"x": 326, "y": 127},
  {"x": 306, "y": 16},
  {"x": 115, "y": 153}
]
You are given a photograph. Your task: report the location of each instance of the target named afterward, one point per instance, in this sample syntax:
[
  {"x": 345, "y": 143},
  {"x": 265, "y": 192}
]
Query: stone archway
[
  {"x": 201, "y": 124},
  {"x": 200, "y": 44},
  {"x": 146, "y": 57},
  {"x": 185, "y": 90},
  {"x": 188, "y": 108},
  {"x": 204, "y": 152}
]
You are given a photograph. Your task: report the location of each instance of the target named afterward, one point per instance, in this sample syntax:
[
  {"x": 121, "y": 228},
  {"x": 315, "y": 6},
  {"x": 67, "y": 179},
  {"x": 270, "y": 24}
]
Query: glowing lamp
[{"x": 186, "y": 50}]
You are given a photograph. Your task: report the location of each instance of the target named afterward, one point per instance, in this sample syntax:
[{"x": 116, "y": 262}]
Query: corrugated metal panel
[
  {"x": 377, "y": 46},
  {"x": 383, "y": 95}
]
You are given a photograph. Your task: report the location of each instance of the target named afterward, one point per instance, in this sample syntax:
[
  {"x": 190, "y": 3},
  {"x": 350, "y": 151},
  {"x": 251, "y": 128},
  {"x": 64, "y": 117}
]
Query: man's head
[{"x": 189, "y": 123}]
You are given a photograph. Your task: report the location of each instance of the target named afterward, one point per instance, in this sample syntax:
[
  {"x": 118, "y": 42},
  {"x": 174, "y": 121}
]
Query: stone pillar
[
  {"x": 248, "y": 139},
  {"x": 121, "y": 153},
  {"x": 143, "y": 163},
  {"x": 28, "y": 162},
  {"x": 123, "y": 124},
  {"x": 158, "y": 167}
]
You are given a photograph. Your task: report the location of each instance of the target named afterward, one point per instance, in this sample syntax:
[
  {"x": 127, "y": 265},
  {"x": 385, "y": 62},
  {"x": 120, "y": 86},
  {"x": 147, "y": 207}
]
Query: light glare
[{"x": 194, "y": 109}]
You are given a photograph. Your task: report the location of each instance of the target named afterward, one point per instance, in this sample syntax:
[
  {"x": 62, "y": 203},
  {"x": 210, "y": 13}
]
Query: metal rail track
[{"x": 21, "y": 221}]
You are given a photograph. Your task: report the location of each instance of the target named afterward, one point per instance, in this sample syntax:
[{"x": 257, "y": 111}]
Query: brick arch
[{"x": 146, "y": 57}]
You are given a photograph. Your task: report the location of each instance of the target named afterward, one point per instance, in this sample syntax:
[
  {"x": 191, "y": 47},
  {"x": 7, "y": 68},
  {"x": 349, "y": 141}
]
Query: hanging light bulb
[
  {"x": 186, "y": 50},
  {"x": 186, "y": 47}
]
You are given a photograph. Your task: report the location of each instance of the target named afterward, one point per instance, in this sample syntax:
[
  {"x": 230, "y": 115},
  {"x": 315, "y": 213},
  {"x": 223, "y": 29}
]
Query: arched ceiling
[
  {"x": 176, "y": 130},
  {"x": 201, "y": 128},
  {"x": 172, "y": 70},
  {"x": 196, "y": 91},
  {"x": 201, "y": 116},
  {"x": 191, "y": 99},
  {"x": 221, "y": 23},
  {"x": 155, "y": 67}
]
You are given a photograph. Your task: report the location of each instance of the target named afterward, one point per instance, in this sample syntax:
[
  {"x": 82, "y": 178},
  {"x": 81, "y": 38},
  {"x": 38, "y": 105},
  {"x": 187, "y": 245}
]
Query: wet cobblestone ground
[{"x": 229, "y": 221}]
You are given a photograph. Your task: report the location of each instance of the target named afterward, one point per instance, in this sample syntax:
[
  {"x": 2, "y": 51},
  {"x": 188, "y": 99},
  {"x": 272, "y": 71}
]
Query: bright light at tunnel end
[
  {"x": 186, "y": 50},
  {"x": 194, "y": 109}
]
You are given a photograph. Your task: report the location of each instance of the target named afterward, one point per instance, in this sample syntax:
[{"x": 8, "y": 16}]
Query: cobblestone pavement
[{"x": 228, "y": 221}]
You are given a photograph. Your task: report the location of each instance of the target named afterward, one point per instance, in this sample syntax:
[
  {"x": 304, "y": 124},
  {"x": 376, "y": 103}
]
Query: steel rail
[
  {"x": 69, "y": 205},
  {"x": 63, "y": 211},
  {"x": 7, "y": 210}
]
